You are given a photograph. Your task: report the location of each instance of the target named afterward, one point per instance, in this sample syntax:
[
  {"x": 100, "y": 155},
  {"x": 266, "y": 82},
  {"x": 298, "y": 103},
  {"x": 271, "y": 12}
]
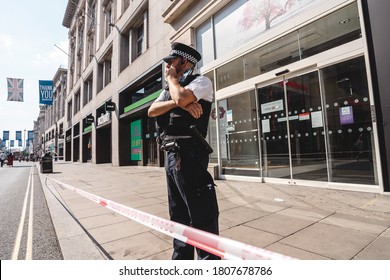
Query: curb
[{"x": 74, "y": 241}]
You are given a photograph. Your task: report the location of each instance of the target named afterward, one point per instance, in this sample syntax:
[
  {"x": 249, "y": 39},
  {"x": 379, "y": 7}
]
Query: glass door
[
  {"x": 349, "y": 123},
  {"x": 307, "y": 141},
  {"x": 292, "y": 129},
  {"x": 274, "y": 135},
  {"x": 239, "y": 136}
]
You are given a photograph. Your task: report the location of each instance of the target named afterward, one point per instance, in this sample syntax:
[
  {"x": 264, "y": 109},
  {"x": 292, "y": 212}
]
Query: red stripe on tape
[{"x": 206, "y": 248}]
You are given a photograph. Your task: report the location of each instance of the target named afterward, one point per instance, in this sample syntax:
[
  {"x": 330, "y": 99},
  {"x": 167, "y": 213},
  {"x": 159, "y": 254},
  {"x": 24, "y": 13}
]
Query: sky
[{"x": 29, "y": 31}]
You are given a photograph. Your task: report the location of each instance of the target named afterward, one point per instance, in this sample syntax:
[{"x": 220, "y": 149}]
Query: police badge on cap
[{"x": 182, "y": 50}]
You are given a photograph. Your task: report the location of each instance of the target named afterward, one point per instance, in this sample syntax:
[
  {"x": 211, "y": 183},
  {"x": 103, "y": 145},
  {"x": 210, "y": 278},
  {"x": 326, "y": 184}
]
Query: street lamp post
[
  {"x": 56, "y": 142},
  {"x": 25, "y": 143}
]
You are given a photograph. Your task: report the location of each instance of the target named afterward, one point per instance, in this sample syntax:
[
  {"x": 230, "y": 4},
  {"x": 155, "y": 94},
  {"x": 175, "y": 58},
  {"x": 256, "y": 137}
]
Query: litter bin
[{"x": 47, "y": 164}]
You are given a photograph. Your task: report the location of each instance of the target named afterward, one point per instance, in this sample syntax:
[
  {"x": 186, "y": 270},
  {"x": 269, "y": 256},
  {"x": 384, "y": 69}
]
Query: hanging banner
[
  {"x": 4, "y": 143},
  {"x": 46, "y": 92},
  {"x": 20, "y": 144},
  {"x": 6, "y": 135},
  {"x": 15, "y": 89},
  {"x": 18, "y": 135},
  {"x": 11, "y": 143},
  {"x": 30, "y": 135}
]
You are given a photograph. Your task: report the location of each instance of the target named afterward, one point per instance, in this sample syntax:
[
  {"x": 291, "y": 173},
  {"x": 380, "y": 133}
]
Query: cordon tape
[{"x": 220, "y": 246}]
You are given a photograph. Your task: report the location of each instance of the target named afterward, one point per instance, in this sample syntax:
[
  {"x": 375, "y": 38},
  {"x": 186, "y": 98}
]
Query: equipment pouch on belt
[
  {"x": 200, "y": 139},
  {"x": 169, "y": 145}
]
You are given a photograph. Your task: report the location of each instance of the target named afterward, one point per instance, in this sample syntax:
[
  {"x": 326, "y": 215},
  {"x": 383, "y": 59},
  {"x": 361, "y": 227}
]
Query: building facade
[
  {"x": 49, "y": 127},
  {"x": 115, "y": 72},
  {"x": 300, "y": 93}
]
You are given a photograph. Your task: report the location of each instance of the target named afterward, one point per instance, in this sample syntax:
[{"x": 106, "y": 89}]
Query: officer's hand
[
  {"x": 195, "y": 109},
  {"x": 170, "y": 72}
]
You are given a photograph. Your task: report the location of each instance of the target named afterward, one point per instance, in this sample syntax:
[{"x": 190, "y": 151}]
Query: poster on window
[
  {"x": 265, "y": 126},
  {"x": 316, "y": 119},
  {"x": 136, "y": 140},
  {"x": 346, "y": 115}
]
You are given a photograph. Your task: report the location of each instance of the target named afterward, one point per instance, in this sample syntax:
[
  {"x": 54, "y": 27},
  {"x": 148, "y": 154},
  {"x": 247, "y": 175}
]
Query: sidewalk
[{"x": 301, "y": 222}]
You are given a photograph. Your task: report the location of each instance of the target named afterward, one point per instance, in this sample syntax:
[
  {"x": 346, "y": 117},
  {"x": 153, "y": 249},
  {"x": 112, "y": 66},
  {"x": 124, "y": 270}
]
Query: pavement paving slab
[{"x": 304, "y": 222}]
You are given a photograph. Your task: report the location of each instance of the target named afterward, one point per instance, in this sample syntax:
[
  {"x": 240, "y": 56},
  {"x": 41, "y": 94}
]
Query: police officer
[{"x": 185, "y": 103}]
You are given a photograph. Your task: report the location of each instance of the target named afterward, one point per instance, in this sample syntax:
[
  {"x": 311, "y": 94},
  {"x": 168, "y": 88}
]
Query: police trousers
[{"x": 191, "y": 195}]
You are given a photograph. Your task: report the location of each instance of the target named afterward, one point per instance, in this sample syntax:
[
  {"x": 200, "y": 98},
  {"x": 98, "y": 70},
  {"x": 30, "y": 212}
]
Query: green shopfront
[
  {"x": 296, "y": 104},
  {"x": 137, "y": 133}
]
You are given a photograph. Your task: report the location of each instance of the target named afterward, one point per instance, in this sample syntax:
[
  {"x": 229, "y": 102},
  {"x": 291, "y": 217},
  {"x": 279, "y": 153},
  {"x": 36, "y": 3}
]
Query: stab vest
[{"x": 177, "y": 121}]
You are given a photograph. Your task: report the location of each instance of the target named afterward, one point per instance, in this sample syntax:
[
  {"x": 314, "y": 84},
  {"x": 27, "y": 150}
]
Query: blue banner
[
  {"x": 18, "y": 135},
  {"x": 46, "y": 92},
  {"x": 4, "y": 143},
  {"x": 6, "y": 135},
  {"x": 12, "y": 143},
  {"x": 30, "y": 135},
  {"x": 20, "y": 143}
]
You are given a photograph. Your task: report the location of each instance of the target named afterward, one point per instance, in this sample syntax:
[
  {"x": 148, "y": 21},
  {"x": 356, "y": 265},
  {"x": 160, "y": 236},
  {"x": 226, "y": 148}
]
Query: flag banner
[
  {"x": 18, "y": 135},
  {"x": 28, "y": 144},
  {"x": 30, "y": 135},
  {"x": 12, "y": 143},
  {"x": 15, "y": 89},
  {"x": 46, "y": 92},
  {"x": 4, "y": 143},
  {"x": 20, "y": 143},
  {"x": 6, "y": 135}
]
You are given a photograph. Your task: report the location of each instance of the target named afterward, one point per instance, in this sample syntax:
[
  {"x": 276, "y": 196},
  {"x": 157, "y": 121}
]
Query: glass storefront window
[
  {"x": 314, "y": 126},
  {"x": 349, "y": 124},
  {"x": 227, "y": 35},
  {"x": 333, "y": 30},
  {"x": 238, "y": 134},
  {"x": 328, "y": 32},
  {"x": 230, "y": 74},
  {"x": 315, "y": 134},
  {"x": 212, "y": 131},
  {"x": 204, "y": 43},
  {"x": 242, "y": 20},
  {"x": 272, "y": 56}
]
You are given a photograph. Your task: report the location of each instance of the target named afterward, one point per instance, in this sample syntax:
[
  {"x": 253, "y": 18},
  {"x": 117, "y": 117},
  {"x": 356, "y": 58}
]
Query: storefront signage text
[{"x": 104, "y": 119}]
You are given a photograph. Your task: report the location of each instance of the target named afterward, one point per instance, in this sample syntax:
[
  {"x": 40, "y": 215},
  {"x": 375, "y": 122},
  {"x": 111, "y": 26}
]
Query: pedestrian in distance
[
  {"x": 10, "y": 160},
  {"x": 2, "y": 158},
  {"x": 182, "y": 113}
]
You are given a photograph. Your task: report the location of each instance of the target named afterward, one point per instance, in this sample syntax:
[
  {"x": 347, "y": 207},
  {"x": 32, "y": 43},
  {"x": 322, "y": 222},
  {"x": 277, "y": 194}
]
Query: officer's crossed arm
[
  {"x": 161, "y": 107},
  {"x": 183, "y": 97}
]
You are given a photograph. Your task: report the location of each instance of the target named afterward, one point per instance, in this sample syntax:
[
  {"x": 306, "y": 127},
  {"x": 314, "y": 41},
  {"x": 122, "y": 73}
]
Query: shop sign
[
  {"x": 89, "y": 119},
  {"x": 104, "y": 118},
  {"x": 109, "y": 106},
  {"x": 273, "y": 106},
  {"x": 136, "y": 140}
]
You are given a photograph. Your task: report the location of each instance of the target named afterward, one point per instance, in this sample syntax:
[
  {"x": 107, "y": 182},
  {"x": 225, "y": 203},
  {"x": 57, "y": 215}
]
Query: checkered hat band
[{"x": 185, "y": 55}]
